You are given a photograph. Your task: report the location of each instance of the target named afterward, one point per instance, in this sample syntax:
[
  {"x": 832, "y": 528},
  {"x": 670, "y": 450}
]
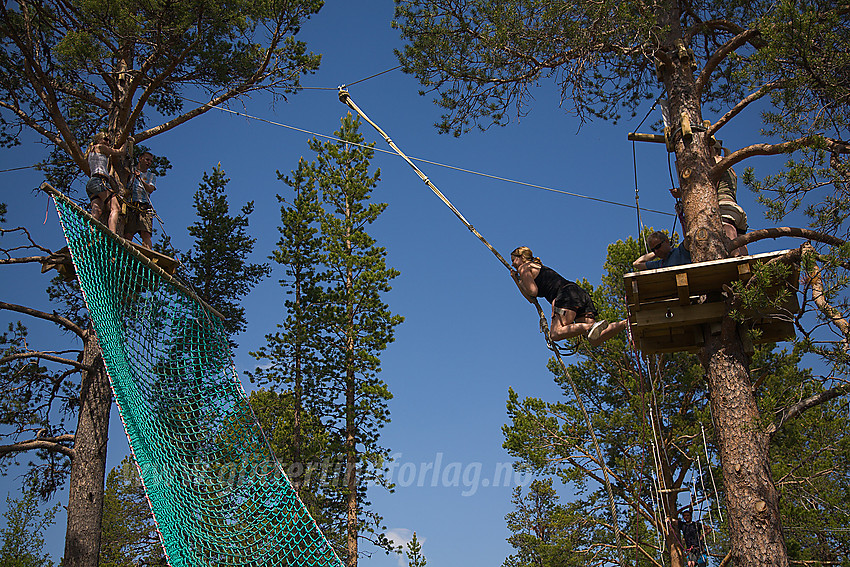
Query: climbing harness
[{"x": 345, "y": 98}]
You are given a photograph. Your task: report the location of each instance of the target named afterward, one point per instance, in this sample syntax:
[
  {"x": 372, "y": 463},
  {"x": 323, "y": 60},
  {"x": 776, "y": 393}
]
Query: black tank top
[{"x": 549, "y": 283}]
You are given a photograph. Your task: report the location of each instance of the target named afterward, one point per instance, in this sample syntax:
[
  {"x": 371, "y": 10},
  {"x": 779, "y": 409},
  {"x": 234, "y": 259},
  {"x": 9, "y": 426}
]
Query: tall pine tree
[
  {"x": 358, "y": 324},
  {"x": 337, "y": 325},
  {"x": 218, "y": 261},
  {"x": 712, "y": 62}
]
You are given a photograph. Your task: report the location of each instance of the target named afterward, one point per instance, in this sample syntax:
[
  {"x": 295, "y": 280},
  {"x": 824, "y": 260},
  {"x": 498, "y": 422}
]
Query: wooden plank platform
[
  {"x": 61, "y": 261},
  {"x": 167, "y": 263},
  {"x": 671, "y": 309}
]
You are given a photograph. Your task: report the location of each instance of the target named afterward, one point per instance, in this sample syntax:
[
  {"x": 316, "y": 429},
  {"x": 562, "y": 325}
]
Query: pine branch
[
  {"x": 51, "y": 444},
  {"x": 777, "y": 232},
  {"x": 58, "y": 319},
  {"x": 46, "y": 356},
  {"x": 812, "y": 401}
]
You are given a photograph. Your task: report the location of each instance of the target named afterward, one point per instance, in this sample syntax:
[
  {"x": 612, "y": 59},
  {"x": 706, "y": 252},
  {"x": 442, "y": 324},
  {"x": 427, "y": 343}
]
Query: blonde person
[
  {"x": 100, "y": 187},
  {"x": 140, "y": 217},
  {"x": 573, "y": 311}
]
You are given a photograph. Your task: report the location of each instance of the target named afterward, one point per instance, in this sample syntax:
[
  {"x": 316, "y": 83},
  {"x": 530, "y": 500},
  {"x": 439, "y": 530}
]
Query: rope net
[{"x": 217, "y": 493}]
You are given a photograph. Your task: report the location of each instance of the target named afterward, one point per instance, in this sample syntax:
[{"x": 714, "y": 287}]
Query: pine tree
[
  {"x": 652, "y": 417},
  {"x": 539, "y": 531},
  {"x": 482, "y": 59},
  {"x": 217, "y": 263},
  {"x": 77, "y": 68},
  {"x": 293, "y": 354},
  {"x": 415, "y": 558},
  {"x": 130, "y": 536},
  {"x": 358, "y": 324},
  {"x": 22, "y": 539},
  {"x": 328, "y": 351}
]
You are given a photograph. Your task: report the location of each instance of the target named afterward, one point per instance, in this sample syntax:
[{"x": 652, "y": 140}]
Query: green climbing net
[{"x": 216, "y": 491}]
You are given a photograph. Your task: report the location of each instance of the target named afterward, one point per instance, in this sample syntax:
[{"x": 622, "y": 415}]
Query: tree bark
[
  {"x": 88, "y": 469},
  {"x": 752, "y": 500}
]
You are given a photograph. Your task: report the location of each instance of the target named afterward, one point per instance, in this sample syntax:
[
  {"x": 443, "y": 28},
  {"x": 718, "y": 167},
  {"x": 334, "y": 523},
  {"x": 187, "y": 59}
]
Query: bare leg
[
  {"x": 566, "y": 326},
  {"x": 146, "y": 240},
  {"x": 114, "y": 213},
  {"x": 97, "y": 207},
  {"x": 610, "y": 331}
]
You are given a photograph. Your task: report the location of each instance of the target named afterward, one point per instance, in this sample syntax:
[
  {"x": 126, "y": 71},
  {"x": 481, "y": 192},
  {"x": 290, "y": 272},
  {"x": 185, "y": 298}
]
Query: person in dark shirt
[
  {"x": 692, "y": 537},
  {"x": 573, "y": 311}
]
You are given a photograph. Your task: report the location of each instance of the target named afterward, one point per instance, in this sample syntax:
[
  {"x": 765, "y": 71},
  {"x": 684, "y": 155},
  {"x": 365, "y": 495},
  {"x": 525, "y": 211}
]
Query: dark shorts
[
  {"x": 573, "y": 297},
  {"x": 97, "y": 185},
  {"x": 138, "y": 220}
]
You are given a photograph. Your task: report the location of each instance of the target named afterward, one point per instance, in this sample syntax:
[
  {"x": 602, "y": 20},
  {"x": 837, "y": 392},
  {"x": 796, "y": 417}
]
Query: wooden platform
[
  {"x": 61, "y": 261},
  {"x": 671, "y": 309}
]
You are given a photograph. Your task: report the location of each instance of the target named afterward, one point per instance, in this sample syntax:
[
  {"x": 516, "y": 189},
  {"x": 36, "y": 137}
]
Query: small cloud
[{"x": 401, "y": 537}]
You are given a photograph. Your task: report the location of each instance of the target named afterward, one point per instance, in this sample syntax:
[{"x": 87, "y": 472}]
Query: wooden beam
[
  {"x": 682, "y": 288},
  {"x": 681, "y": 315},
  {"x": 638, "y": 137}
]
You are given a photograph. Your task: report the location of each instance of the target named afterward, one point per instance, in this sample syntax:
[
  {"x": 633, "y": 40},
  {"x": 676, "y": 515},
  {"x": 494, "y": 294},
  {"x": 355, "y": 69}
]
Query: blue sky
[{"x": 468, "y": 334}]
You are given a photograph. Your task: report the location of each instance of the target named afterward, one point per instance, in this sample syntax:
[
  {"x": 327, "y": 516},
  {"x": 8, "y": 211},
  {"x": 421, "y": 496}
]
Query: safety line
[{"x": 423, "y": 160}]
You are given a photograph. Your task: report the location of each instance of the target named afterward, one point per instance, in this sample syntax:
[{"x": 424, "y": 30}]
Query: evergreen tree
[
  {"x": 293, "y": 354},
  {"x": 328, "y": 351},
  {"x": 23, "y": 536},
  {"x": 415, "y": 558},
  {"x": 539, "y": 530},
  {"x": 652, "y": 418},
  {"x": 217, "y": 264},
  {"x": 71, "y": 68},
  {"x": 482, "y": 58},
  {"x": 358, "y": 324},
  {"x": 130, "y": 536}
]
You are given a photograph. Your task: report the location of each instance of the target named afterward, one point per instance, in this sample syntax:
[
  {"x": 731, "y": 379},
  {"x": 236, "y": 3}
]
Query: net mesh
[{"x": 216, "y": 491}]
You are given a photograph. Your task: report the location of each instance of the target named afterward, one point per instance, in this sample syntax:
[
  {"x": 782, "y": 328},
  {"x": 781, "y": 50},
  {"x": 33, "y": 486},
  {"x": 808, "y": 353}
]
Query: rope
[
  {"x": 711, "y": 473},
  {"x": 371, "y": 77},
  {"x": 640, "y": 230},
  {"x": 345, "y": 98}
]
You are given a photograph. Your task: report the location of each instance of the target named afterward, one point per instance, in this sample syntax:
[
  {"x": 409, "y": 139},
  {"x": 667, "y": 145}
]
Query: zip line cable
[
  {"x": 423, "y": 160},
  {"x": 345, "y": 98}
]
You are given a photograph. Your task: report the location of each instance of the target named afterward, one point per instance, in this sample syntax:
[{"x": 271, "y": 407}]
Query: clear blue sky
[{"x": 468, "y": 334}]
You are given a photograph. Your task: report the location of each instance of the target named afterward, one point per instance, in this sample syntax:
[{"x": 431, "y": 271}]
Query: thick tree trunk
[
  {"x": 351, "y": 481},
  {"x": 752, "y": 500},
  {"x": 751, "y": 497},
  {"x": 88, "y": 469}
]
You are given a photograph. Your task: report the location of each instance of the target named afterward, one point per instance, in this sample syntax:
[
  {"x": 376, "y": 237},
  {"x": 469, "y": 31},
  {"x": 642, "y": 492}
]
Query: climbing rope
[
  {"x": 640, "y": 227},
  {"x": 345, "y": 98}
]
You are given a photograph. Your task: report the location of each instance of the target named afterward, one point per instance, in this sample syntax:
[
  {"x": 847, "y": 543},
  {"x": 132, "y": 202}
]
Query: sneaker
[{"x": 596, "y": 330}]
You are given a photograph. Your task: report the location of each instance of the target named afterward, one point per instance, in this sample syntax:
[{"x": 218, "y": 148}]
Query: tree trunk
[
  {"x": 350, "y": 405},
  {"x": 751, "y": 497},
  {"x": 351, "y": 473},
  {"x": 752, "y": 500},
  {"x": 88, "y": 469}
]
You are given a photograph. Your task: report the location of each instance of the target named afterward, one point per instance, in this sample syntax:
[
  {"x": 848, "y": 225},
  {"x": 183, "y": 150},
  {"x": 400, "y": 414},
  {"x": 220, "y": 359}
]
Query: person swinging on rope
[{"x": 573, "y": 311}]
